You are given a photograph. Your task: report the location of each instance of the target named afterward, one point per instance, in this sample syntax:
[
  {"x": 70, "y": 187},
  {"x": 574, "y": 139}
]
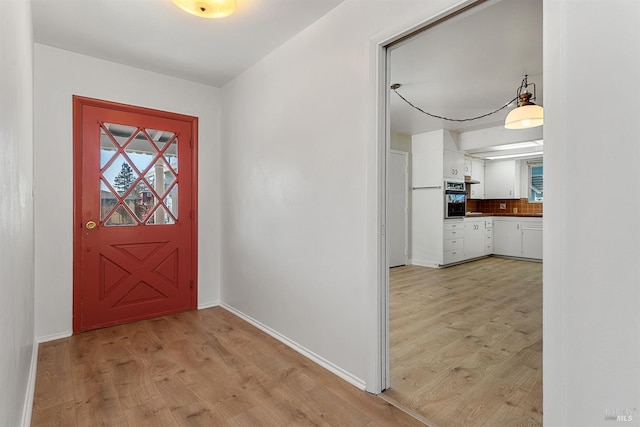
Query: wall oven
[{"x": 454, "y": 199}]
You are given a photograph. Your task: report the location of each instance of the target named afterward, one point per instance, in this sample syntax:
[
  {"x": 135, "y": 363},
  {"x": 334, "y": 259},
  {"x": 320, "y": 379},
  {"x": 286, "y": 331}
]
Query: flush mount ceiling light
[
  {"x": 207, "y": 8},
  {"x": 527, "y": 114}
]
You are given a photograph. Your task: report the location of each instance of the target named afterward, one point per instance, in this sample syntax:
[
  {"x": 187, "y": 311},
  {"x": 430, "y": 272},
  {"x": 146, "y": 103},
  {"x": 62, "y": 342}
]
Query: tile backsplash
[{"x": 493, "y": 206}]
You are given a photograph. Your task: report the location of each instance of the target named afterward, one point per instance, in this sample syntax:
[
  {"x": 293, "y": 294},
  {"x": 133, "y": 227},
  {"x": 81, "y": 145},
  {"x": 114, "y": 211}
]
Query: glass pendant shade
[
  {"x": 207, "y": 8},
  {"x": 527, "y": 116}
]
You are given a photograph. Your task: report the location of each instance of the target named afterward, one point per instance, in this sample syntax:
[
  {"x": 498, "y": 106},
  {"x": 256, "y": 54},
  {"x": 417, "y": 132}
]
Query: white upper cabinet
[
  {"x": 477, "y": 174},
  {"x": 453, "y": 165},
  {"x": 502, "y": 179},
  {"x": 467, "y": 166}
]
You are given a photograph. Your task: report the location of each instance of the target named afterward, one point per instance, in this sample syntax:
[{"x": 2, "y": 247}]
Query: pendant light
[
  {"x": 207, "y": 8},
  {"x": 527, "y": 114}
]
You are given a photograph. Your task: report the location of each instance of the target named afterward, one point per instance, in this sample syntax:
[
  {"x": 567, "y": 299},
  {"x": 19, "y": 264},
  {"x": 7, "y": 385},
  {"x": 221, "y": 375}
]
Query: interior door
[
  {"x": 134, "y": 216},
  {"x": 397, "y": 176}
]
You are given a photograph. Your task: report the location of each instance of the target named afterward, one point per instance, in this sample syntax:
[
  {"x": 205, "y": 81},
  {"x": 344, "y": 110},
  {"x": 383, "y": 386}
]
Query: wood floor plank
[
  {"x": 151, "y": 413},
  {"x": 465, "y": 339},
  {"x": 100, "y": 406},
  {"x": 201, "y": 368},
  {"x": 61, "y": 415},
  {"x": 53, "y": 364},
  {"x": 132, "y": 381}
]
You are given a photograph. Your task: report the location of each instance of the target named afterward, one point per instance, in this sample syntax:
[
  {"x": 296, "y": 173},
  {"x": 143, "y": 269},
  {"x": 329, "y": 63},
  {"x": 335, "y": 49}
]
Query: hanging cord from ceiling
[{"x": 396, "y": 86}]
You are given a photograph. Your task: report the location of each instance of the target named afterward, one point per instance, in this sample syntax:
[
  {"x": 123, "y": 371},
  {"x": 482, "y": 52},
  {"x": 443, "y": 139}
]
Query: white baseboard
[
  {"x": 31, "y": 387},
  {"x": 53, "y": 337},
  {"x": 208, "y": 305},
  {"x": 348, "y": 377},
  {"x": 423, "y": 263}
]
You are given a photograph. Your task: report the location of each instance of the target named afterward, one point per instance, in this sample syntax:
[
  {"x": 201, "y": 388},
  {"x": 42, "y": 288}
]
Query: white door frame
[{"x": 378, "y": 366}]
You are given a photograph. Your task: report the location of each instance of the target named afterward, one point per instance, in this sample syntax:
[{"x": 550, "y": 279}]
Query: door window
[{"x": 138, "y": 176}]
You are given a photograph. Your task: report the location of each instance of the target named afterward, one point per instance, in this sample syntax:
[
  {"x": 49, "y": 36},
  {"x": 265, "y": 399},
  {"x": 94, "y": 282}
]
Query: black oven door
[{"x": 455, "y": 204}]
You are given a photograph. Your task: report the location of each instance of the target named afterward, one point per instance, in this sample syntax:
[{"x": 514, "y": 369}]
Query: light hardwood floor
[
  {"x": 199, "y": 368},
  {"x": 466, "y": 342}
]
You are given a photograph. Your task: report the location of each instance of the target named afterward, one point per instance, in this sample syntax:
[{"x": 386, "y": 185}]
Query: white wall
[
  {"x": 592, "y": 267},
  {"x": 16, "y": 209},
  {"x": 300, "y": 195},
  {"x": 300, "y": 183},
  {"x": 400, "y": 141},
  {"x": 59, "y": 74}
]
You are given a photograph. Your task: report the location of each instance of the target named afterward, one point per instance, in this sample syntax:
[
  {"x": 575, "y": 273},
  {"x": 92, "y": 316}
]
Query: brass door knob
[{"x": 90, "y": 225}]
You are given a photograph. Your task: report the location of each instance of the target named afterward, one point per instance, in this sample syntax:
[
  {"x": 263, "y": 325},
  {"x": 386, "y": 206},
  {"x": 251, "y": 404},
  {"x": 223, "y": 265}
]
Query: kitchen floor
[{"x": 466, "y": 342}]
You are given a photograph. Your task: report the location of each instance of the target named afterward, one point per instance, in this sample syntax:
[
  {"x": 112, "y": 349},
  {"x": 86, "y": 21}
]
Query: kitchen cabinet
[
  {"x": 474, "y": 237},
  {"x": 478, "y": 237},
  {"x": 507, "y": 238},
  {"x": 431, "y": 244},
  {"x": 488, "y": 236},
  {"x": 518, "y": 237},
  {"x": 502, "y": 179},
  {"x": 468, "y": 164},
  {"x": 453, "y": 242},
  {"x": 532, "y": 241},
  {"x": 453, "y": 162},
  {"x": 477, "y": 174}
]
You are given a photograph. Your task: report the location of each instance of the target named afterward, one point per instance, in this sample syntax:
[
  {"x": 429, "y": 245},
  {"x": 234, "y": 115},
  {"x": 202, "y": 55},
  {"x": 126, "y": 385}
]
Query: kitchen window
[{"x": 536, "y": 182}]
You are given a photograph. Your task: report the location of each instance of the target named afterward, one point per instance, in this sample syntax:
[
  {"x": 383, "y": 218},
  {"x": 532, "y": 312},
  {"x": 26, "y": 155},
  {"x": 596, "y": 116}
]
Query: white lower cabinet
[
  {"x": 453, "y": 243},
  {"x": 474, "y": 237},
  {"x": 531, "y": 241},
  {"x": 507, "y": 238},
  {"x": 488, "y": 236},
  {"x": 478, "y": 237},
  {"x": 518, "y": 237}
]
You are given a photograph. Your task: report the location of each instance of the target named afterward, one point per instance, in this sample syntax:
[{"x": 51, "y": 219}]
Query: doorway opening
[{"x": 465, "y": 358}]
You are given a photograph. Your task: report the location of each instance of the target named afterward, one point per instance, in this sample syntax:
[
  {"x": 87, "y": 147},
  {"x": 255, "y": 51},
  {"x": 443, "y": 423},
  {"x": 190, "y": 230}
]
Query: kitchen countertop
[{"x": 481, "y": 214}]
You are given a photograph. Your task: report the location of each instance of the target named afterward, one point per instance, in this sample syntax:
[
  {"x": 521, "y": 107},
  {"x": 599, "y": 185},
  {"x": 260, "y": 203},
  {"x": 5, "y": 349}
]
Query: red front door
[{"x": 134, "y": 213}]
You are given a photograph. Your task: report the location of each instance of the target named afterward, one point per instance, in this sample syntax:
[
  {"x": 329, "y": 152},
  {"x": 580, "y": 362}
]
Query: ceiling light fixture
[
  {"x": 207, "y": 8},
  {"x": 527, "y": 114},
  {"x": 396, "y": 86},
  {"x": 513, "y": 156}
]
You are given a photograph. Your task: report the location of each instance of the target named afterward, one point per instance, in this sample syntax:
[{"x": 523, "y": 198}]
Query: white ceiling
[
  {"x": 467, "y": 66},
  {"x": 155, "y": 35}
]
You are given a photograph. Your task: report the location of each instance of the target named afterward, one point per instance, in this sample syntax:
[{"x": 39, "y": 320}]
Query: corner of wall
[{"x": 27, "y": 410}]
